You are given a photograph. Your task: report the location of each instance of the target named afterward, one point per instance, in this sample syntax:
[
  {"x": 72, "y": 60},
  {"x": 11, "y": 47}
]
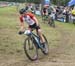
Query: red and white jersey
[{"x": 28, "y": 18}]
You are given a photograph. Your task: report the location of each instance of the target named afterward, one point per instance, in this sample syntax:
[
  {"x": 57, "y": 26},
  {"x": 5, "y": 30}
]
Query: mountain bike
[
  {"x": 49, "y": 20},
  {"x": 32, "y": 43},
  {"x": 45, "y": 18}
]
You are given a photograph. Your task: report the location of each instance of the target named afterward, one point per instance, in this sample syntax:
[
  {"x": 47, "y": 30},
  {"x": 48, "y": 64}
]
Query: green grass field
[{"x": 61, "y": 40}]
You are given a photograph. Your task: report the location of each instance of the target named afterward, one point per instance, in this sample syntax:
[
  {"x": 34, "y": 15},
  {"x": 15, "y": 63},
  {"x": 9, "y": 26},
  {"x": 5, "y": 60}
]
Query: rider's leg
[
  {"x": 39, "y": 32},
  {"x": 41, "y": 36}
]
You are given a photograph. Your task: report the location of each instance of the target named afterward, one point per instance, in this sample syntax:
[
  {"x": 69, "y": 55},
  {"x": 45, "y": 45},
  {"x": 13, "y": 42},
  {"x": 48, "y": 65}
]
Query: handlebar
[{"x": 27, "y": 32}]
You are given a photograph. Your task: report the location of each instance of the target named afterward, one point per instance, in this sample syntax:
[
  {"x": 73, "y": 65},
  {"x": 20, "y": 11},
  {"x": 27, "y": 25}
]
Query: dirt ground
[{"x": 62, "y": 55}]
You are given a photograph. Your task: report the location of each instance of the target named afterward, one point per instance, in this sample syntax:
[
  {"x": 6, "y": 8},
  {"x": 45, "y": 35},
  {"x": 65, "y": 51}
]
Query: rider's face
[{"x": 23, "y": 14}]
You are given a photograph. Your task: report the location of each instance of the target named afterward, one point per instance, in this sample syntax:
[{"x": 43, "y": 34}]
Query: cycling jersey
[
  {"x": 28, "y": 18},
  {"x": 34, "y": 26},
  {"x": 73, "y": 12}
]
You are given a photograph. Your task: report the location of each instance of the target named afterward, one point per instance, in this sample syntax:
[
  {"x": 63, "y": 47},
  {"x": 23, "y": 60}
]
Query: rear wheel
[{"x": 30, "y": 49}]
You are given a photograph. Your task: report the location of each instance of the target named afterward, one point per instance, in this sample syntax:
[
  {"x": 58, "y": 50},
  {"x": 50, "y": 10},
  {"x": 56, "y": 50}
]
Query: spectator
[
  {"x": 73, "y": 15},
  {"x": 67, "y": 14},
  {"x": 44, "y": 11}
]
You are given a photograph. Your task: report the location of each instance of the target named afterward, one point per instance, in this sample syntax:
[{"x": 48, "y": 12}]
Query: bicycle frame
[
  {"x": 35, "y": 42},
  {"x": 37, "y": 39}
]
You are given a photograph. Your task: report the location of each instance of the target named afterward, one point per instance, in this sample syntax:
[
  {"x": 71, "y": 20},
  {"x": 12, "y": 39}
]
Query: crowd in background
[
  {"x": 61, "y": 13},
  {"x": 67, "y": 14}
]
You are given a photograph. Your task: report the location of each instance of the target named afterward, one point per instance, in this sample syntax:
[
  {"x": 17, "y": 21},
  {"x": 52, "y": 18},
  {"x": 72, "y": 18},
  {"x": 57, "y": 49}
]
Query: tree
[
  {"x": 29, "y": 1},
  {"x": 33, "y": 1},
  {"x": 13, "y": 0},
  {"x": 60, "y": 2},
  {"x": 56, "y": 2}
]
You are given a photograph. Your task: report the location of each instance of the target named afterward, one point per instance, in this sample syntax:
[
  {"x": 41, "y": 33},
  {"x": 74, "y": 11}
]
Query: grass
[
  {"x": 9, "y": 25},
  {"x": 12, "y": 44}
]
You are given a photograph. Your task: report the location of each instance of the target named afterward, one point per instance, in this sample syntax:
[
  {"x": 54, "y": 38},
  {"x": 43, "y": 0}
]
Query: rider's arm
[
  {"x": 34, "y": 18},
  {"x": 42, "y": 12},
  {"x": 21, "y": 24},
  {"x": 36, "y": 21}
]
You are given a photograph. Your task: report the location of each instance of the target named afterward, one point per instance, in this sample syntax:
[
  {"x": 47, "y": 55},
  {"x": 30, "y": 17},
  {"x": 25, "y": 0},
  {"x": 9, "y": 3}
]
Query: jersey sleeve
[
  {"x": 31, "y": 15},
  {"x": 21, "y": 19}
]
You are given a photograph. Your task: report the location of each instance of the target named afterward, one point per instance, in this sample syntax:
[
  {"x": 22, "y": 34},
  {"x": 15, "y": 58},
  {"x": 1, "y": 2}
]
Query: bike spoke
[{"x": 30, "y": 49}]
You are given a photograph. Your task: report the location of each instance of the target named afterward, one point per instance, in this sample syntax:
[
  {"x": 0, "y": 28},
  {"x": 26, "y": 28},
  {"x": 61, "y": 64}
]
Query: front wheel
[
  {"x": 45, "y": 49},
  {"x": 30, "y": 49}
]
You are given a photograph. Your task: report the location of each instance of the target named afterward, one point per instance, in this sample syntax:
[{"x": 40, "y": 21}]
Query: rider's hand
[
  {"x": 20, "y": 32},
  {"x": 37, "y": 27}
]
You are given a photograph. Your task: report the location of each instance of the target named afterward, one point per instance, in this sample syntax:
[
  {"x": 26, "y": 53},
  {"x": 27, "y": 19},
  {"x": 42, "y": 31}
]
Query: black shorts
[{"x": 34, "y": 26}]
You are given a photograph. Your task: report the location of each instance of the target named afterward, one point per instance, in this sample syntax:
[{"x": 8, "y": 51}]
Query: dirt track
[{"x": 62, "y": 55}]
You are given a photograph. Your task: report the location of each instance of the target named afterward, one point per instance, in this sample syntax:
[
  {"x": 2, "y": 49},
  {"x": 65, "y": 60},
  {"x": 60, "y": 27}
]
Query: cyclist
[
  {"x": 32, "y": 22},
  {"x": 51, "y": 13},
  {"x": 44, "y": 11},
  {"x": 73, "y": 15}
]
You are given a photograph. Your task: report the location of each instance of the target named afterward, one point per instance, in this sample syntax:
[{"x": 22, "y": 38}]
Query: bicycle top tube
[
  {"x": 28, "y": 33},
  {"x": 36, "y": 37}
]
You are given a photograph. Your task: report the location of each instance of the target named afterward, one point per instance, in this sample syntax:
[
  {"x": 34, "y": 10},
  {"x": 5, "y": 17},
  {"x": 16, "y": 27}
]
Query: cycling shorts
[{"x": 34, "y": 26}]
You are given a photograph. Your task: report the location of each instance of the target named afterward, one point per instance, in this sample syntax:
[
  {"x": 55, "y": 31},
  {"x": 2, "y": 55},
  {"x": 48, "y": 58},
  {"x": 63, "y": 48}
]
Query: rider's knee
[{"x": 39, "y": 31}]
